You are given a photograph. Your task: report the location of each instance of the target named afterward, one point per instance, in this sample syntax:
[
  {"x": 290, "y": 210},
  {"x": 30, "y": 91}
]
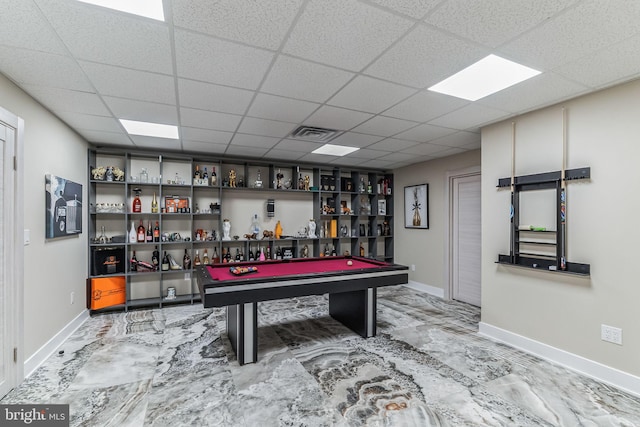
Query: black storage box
[{"x": 108, "y": 260}]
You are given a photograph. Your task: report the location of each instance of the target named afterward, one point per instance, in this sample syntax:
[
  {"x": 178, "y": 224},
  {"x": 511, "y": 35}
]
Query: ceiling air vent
[{"x": 308, "y": 133}]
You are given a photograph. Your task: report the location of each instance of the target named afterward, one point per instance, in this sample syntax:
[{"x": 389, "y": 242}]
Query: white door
[
  {"x": 9, "y": 308},
  {"x": 466, "y": 239}
]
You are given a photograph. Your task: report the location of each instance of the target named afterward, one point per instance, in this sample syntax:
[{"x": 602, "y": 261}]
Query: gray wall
[
  {"x": 558, "y": 310},
  {"x": 53, "y": 268}
]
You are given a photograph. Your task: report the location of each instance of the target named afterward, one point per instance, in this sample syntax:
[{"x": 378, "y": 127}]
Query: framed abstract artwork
[{"x": 416, "y": 206}]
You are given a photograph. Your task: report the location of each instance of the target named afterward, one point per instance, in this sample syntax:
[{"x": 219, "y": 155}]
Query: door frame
[
  {"x": 448, "y": 229},
  {"x": 13, "y": 236}
]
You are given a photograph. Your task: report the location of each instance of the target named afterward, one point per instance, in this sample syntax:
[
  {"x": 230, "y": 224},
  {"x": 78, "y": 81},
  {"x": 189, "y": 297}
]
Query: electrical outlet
[
  {"x": 73, "y": 294},
  {"x": 413, "y": 267},
  {"x": 187, "y": 276},
  {"x": 611, "y": 334}
]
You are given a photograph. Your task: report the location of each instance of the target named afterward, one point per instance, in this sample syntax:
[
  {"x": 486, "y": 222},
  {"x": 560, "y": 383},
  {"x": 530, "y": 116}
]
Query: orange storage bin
[{"x": 107, "y": 291}]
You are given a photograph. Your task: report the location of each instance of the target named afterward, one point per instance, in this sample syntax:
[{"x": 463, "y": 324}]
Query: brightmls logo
[{"x": 34, "y": 415}]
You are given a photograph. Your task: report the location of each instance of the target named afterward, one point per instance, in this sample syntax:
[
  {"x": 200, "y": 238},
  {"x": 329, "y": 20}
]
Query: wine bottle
[
  {"x": 361, "y": 250},
  {"x": 165, "y": 262},
  {"x": 224, "y": 255},
  {"x": 133, "y": 234},
  {"x": 333, "y": 251},
  {"x": 238, "y": 259},
  {"x": 278, "y": 253},
  {"x": 214, "y": 177},
  {"x": 196, "y": 174},
  {"x": 205, "y": 257},
  {"x": 137, "y": 204},
  {"x": 196, "y": 260},
  {"x": 154, "y": 204},
  {"x": 156, "y": 233},
  {"x": 186, "y": 261},
  {"x": 205, "y": 175},
  {"x": 155, "y": 258},
  {"x": 134, "y": 262},
  {"x": 149, "y": 233},
  {"x": 216, "y": 258},
  {"x": 251, "y": 256},
  {"x": 141, "y": 234},
  {"x": 262, "y": 257},
  {"x": 369, "y": 188}
]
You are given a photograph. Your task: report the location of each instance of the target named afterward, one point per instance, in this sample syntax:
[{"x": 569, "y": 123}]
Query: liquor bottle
[
  {"x": 133, "y": 235},
  {"x": 165, "y": 262},
  {"x": 205, "y": 175},
  {"x": 361, "y": 189},
  {"x": 154, "y": 204},
  {"x": 333, "y": 251},
  {"x": 156, "y": 233},
  {"x": 262, "y": 257},
  {"x": 155, "y": 258},
  {"x": 300, "y": 180},
  {"x": 327, "y": 252},
  {"x": 186, "y": 261},
  {"x": 251, "y": 256},
  {"x": 278, "y": 253},
  {"x": 268, "y": 252},
  {"x": 214, "y": 177},
  {"x": 149, "y": 233},
  {"x": 205, "y": 257},
  {"x": 196, "y": 174},
  {"x": 134, "y": 262},
  {"x": 224, "y": 255},
  {"x": 196, "y": 260},
  {"x": 369, "y": 188},
  {"x": 228, "y": 256},
  {"x": 255, "y": 226},
  {"x": 141, "y": 234},
  {"x": 361, "y": 250},
  {"x": 137, "y": 204},
  {"x": 216, "y": 258},
  {"x": 238, "y": 259}
]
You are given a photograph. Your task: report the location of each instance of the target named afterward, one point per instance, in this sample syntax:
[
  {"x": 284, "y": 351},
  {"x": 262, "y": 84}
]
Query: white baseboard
[
  {"x": 44, "y": 352},
  {"x": 431, "y": 290},
  {"x": 622, "y": 380}
]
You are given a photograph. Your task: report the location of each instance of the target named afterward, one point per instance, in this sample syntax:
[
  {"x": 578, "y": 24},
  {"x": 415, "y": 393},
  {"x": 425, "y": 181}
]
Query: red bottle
[{"x": 137, "y": 204}]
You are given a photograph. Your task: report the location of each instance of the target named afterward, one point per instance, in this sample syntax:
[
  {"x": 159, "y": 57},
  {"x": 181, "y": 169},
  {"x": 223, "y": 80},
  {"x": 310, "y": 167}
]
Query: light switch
[{"x": 27, "y": 236}]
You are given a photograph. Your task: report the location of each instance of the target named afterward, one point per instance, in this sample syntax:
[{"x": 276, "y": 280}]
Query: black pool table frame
[{"x": 352, "y": 299}]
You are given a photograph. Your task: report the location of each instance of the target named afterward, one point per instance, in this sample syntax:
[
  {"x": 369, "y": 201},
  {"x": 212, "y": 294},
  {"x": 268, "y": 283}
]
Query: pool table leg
[
  {"x": 242, "y": 330},
  {"x": 356, "y": 310}
]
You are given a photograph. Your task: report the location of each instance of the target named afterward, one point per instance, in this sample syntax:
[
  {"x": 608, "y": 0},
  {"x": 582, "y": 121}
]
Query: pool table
[{"x": 351, "y": 289}]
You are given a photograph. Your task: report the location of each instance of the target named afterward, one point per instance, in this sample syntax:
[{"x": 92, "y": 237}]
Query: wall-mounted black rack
[{"x": 541, "y": 181}]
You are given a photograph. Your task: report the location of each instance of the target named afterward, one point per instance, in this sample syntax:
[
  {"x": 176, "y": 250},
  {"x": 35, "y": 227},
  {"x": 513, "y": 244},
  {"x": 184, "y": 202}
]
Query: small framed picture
[
  {"x": 416, "y": 206},
  {"x": 382, "y": 207}
]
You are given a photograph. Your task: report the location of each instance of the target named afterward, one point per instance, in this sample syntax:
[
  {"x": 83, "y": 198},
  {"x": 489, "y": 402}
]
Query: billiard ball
[{"x": 349, "y": 262}]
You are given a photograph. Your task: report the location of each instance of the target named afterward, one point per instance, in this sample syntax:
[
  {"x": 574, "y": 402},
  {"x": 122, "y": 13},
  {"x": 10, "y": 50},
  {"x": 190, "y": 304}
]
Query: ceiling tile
[
  {"x": 317, "y": 158},
  {"x": 61, "y": 100},
  {"x": 336, "y": 118},
  {"x": 156, "y": 143},
  {"x": 353, "y": 139},
  {"x": 26, "y": 67},
  {"x": 89, "y": 122},
  {"x": 198, "y": 57},
  {"x": 239, "y": 150},
  {"x": 384, "y": 126},
  {"x": 254, "y": 141},
  {"x": 344, "y": 33},
  {"x": 191, "y": 117},
  {"x": 254, "y": 126},
  {"x": 470, "y": 117},
  {"x": 297, "y": 146},
  {"x": 582, "y": 30},
  {"x": 392, "y": 144},
  {"x": 98, "y": 34},
  {"x": 276, "y": 153},
  {"x": 424, "y": 106},
  {"x": 203, "y": 147},
  {"x": 458, "y": 139},
  {"x": 277, "y": 108},
  {"x": 413, "y": 8},
  {"x": 448, "y": 152},
  {"x": 366, "y": 153},
  {"x": 206, "y": 96},
  {"x": 473, "y": 146},
  {"x": 377, "y": 164},
  {"x": 425, "y": 149},
  {"x": 424, "y": 133},
  {"x": 142, "y": 111},
  {"x": 106, "y": 138},
  {"x": 22, "y": 18},
  {"x": 253, "y": 22},
  {"x": 370, "y": 95},
  {"x": 618, "y": 62},
  {"x": 427, "y": 57},
  {"x": 348, "y": 161},
  {"x": 205, "y": 135},
  {"x": 305, "y": 80},
  {"x": 396, "y": 157},
  {"x": 132, "y": 84},
  {"x": 544, "y": 89},
  {"x": 494, "y": 22}
]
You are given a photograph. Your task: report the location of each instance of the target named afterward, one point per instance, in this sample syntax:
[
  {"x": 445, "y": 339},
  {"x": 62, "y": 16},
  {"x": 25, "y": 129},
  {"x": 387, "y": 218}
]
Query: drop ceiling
[{"x": 238, "y": 76}]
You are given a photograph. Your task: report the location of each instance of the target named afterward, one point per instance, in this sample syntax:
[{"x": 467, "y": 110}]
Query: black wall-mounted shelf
[{"x": 542, "y": 181}]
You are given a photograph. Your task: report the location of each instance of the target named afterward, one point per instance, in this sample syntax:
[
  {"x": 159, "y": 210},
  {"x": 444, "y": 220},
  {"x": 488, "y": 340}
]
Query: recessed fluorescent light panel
[
  {"x": 148, "y": 8},
  {"x": 334, "y": 150},
  {"x": 150, "y": 129},
  {"x": 489, "y": 75}
]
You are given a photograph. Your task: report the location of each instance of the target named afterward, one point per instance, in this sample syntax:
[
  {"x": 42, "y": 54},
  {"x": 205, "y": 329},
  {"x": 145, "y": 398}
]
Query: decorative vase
[
  {"x": 226, "y": 230},
  {"x": 416, "y": 218}
]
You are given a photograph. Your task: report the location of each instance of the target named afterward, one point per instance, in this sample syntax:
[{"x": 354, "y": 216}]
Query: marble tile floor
[{"x": 426, "y": 367}]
